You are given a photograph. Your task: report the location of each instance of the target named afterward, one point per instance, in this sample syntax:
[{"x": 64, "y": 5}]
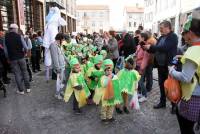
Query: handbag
[{"x": 172, "y": 89}]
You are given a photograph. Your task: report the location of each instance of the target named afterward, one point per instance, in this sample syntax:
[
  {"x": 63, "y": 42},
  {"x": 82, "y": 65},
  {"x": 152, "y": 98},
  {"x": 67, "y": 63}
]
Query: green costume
[
  {"x": 103, "y": 86},
  {"x": 193, "y": 55},
  {"x": 76, "y": 79},
  {"x": 93, "y": 75},
  {"x": 128, "y": 80}
]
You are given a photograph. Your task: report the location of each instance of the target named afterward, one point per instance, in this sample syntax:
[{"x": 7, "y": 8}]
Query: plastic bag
[
  {"x": 172, "y": 89},
  {"x": 134, "y": 104}
]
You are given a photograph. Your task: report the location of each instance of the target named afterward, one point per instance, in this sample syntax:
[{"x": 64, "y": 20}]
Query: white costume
[{"x": 54, "y": 20}]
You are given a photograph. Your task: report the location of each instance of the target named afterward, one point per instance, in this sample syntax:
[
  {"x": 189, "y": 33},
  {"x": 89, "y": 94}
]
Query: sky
[{"x": 116, "y": 9}]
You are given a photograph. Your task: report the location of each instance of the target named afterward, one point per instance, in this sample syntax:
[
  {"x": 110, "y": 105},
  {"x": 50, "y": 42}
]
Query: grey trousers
[{"x": 20, "y": 71}]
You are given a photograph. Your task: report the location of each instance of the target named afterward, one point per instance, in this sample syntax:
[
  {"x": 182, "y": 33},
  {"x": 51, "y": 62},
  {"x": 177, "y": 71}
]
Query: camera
[
  {"x": 177, "y": 63},
  {"x": 142, "y": 43}
]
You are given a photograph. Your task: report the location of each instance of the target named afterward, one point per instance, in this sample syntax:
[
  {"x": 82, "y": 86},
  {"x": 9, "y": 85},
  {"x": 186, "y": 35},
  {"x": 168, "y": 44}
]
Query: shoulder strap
[{"x": 196, "y": 75}]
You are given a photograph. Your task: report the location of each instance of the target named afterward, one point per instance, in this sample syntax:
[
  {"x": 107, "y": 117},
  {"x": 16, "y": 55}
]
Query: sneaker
[
  {"x": 139, "y": 96},
  {"x": 28, "y": 90},
  {"x": 78, "y": 111},
  {"x": 20, "y": 92},
  {"x": 126, "y": 110},
  {"x": 111, "y": 120},
  {"x": 142, "y": 99},
  {"x": 58, "y": 97},
  {"x": 104, "y": 121},
  {"x": 119, "y": 111}
]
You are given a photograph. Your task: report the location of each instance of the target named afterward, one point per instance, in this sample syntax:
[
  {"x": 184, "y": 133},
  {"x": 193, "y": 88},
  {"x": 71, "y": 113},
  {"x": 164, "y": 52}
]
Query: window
[
  {"x": 129, "y": 24},
  {"x": 130, "y": 16},
  {"x": 134, "y": 24}
]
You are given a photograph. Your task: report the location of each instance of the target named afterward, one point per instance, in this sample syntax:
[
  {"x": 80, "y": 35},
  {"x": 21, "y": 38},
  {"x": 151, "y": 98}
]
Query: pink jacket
[{"x": 143, "y": 57}]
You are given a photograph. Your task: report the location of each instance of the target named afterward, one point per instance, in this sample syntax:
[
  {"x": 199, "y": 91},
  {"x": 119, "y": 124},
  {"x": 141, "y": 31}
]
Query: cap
[{"x": 14, "y": 26}]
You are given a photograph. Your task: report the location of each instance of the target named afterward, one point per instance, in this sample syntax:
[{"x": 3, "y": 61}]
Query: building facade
[
  {"x": 71, "y": 15},
  {"x": 92, "y": 18},
  {"x": 134, "y": 18},
  {"x": 25, "y": 13},
  {"x": 176, "y": 11}
]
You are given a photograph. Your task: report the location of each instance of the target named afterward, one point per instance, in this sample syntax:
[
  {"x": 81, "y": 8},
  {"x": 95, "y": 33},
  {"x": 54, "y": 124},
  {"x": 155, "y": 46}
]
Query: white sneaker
[
  {"x": 142, "y": 99},
  {"x": 21, "y": 93},
  {"x": 58, "y": 97},
  {"x": 28, "y": 90},
  {"x": 139, "y": 95}
]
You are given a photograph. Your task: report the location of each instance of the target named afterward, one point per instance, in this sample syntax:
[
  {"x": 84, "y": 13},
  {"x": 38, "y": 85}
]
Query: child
[
  {"x": 76, "y": 85},
  {"x": 108, "y": 92},
  {"x": 93, "y": 75},
  {"x": 128, "y": 78}
]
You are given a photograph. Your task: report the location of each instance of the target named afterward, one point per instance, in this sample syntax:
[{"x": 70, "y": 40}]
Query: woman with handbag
[{"x": 189, "y": 105}]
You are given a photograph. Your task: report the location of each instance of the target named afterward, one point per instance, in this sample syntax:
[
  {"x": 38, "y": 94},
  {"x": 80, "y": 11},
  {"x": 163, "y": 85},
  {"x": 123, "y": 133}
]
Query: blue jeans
[
  {"x": 149, "y": 77},
  {"x": 141, "y": 85},
  {"x": 20, "y": 71}
]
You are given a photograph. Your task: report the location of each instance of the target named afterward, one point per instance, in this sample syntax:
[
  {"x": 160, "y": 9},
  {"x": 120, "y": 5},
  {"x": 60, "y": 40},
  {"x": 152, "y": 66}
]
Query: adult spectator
[
  {"x": 113, "y": 52},
  {"x": 189, "y": 107},
  {"x": 164, "y": 50},
  {"x": 58, "y": 63},
  {"x": 3, "y": 59},
  {"x": 28, "y": 54},
  {"x": 144, "y": 64},
  {"x": 129, "y": 46},
  {"x": 136, "y": 36},
  {"x": 16, "y": 52},
  {"x": 35, "y": 53}
]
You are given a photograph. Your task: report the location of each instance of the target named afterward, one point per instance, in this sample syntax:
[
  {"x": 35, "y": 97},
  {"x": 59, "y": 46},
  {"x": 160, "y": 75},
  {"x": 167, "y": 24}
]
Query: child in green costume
[
  {"x": 76, "y": 86},
  {"x": 93, "y": 76},
  {"x": 108, "y": 92},
  {"x": 128, "y": 78}
]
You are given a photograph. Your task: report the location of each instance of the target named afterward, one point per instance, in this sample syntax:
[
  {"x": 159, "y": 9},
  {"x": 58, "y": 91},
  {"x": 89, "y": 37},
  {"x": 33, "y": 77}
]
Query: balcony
[{"x": 58, "y": 3}]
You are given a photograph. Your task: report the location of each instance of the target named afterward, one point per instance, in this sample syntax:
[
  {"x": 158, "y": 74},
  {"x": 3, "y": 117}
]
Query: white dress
[{"x": 54, "y": 20}]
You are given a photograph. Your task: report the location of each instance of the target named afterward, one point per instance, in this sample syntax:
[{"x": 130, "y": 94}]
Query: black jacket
[
  {"x": 14, "y": 46},
  {"x": 165, "y": 49}
]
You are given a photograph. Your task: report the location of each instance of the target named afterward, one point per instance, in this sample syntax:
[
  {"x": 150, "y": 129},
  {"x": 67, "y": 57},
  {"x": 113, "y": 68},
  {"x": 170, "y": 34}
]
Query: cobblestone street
[{"x": 40, "y": 113}]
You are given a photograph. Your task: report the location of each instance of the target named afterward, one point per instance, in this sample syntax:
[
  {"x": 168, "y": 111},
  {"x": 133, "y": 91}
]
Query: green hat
[
  {"x": 98, "y": 59},
  {"x": 187, "y": 25},
  {"x": 108, "y": 62},
  {"x": 104, "y": 53},
  {"x": 94, "y": 49},
  {"x": 73, "y": 62}
]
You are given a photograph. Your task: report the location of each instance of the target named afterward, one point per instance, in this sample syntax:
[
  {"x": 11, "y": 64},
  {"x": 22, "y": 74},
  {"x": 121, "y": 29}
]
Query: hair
[
  {"x": 131, "y": 61},
  {"x": 59, "y": 37},
  {"x": 20, "y": 32},
  {"x": 195, "y": 27},
  {"x": 140, "y": 28},
  {"x": 34, "y": 36},
  {"x": 145, "y": 36},
  {"x": 112, "y": 33},
  {"x": 166, "y": 23},
  {"x": 39, "y": 33},
  {"x": 137, "y": 32}
]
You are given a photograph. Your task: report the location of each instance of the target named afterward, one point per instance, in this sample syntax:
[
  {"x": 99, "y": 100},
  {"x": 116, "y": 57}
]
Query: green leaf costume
[
  {"x": 128, "y": 80},
  {"x": 100, "y": 91}
]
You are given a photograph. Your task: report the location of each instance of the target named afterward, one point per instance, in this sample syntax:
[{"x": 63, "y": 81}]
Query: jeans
[
  {"x": 141, "y": 85},
  {"x": 21, "y": 74},
  {"x": 29, "y": 69},
  {"x": 149, "y": 77},
  {"x": 162, "y": 76}
]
